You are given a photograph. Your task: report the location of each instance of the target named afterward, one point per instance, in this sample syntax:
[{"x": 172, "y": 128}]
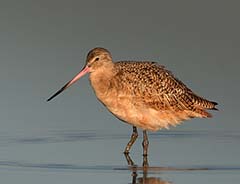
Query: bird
[{"x": 143, "y": 94}]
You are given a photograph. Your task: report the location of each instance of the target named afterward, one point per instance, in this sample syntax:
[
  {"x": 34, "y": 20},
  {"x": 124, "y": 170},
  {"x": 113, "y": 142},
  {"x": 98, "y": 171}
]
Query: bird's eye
[{"x": 97, "y": 59}]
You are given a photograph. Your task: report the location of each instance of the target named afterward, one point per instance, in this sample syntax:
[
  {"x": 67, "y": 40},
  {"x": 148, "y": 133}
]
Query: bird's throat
[{"x": 101, "y": 80}]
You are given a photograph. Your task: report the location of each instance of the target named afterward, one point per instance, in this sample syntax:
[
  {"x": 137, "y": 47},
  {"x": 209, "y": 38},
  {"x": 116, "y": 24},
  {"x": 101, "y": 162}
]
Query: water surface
[{"x": 76, "y": 156}]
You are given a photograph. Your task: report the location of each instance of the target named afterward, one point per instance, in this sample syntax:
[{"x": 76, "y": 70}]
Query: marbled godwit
[{"x": 143, "y": 94}]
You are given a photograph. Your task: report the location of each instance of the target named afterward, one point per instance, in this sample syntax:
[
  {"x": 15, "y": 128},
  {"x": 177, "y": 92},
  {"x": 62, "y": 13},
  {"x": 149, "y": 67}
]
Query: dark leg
[
  {"x": 129, "y": 160},
  {"x": 145, "y": 148},
  {"x": 145, "y": 143},
  {"x": 145, "y": 161},
  {"x": 132, "y": 167},
  {"x": 132, "y": 140}
]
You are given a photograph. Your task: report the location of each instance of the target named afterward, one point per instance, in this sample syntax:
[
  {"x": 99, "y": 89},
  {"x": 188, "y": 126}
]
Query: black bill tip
[{"x": 58, "y": 92}]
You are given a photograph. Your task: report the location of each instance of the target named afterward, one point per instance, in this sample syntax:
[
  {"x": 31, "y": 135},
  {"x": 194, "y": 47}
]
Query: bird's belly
[{"x": 138, "y": 115}]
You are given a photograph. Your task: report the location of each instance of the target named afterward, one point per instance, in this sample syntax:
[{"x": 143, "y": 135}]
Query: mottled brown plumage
[{"x": 143, "y": 94}]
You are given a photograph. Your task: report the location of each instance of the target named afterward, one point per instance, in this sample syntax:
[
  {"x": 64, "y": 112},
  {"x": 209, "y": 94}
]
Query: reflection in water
[
  {"x": 144, "y": 179},
  {"x": 152, "y": 180}
]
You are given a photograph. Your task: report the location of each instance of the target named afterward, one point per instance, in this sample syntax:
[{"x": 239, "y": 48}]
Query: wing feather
[{"x": 155, "y": 87}]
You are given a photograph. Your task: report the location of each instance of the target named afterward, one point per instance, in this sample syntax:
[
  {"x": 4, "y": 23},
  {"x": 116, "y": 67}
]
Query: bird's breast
[
  {"x": 107, "y": 90},
  {"x": 119, "y": 103}
]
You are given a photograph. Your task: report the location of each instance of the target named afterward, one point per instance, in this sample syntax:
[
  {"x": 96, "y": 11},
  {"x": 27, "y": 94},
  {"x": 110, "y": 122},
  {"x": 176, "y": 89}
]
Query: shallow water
[{"x": 74, "y": 156}]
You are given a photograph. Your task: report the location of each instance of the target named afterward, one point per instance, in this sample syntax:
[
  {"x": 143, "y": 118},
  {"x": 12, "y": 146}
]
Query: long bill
[{"x": 84, "y": 71}]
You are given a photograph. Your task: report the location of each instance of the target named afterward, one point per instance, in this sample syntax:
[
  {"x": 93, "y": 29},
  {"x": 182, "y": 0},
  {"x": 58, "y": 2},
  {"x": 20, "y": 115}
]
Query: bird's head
[{"x": 97, "y": 59}]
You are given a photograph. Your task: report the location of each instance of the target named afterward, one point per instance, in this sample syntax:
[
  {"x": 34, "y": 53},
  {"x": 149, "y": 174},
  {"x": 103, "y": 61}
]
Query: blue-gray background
[{"x": 43, "y": 44}]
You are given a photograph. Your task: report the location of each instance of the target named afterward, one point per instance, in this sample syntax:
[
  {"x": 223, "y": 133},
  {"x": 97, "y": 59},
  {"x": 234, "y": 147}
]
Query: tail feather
[
  {"x": 201, "y": 105},
  {"x": 214, "y": 108},
  {"x": 204, "y": 103}
]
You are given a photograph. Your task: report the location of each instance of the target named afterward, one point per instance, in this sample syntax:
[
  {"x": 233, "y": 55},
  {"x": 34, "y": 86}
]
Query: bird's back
[{"x": 150, "y": 85}]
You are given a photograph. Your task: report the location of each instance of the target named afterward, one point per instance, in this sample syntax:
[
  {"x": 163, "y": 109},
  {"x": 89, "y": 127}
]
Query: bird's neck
[{"x": 101, "y": 79}]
